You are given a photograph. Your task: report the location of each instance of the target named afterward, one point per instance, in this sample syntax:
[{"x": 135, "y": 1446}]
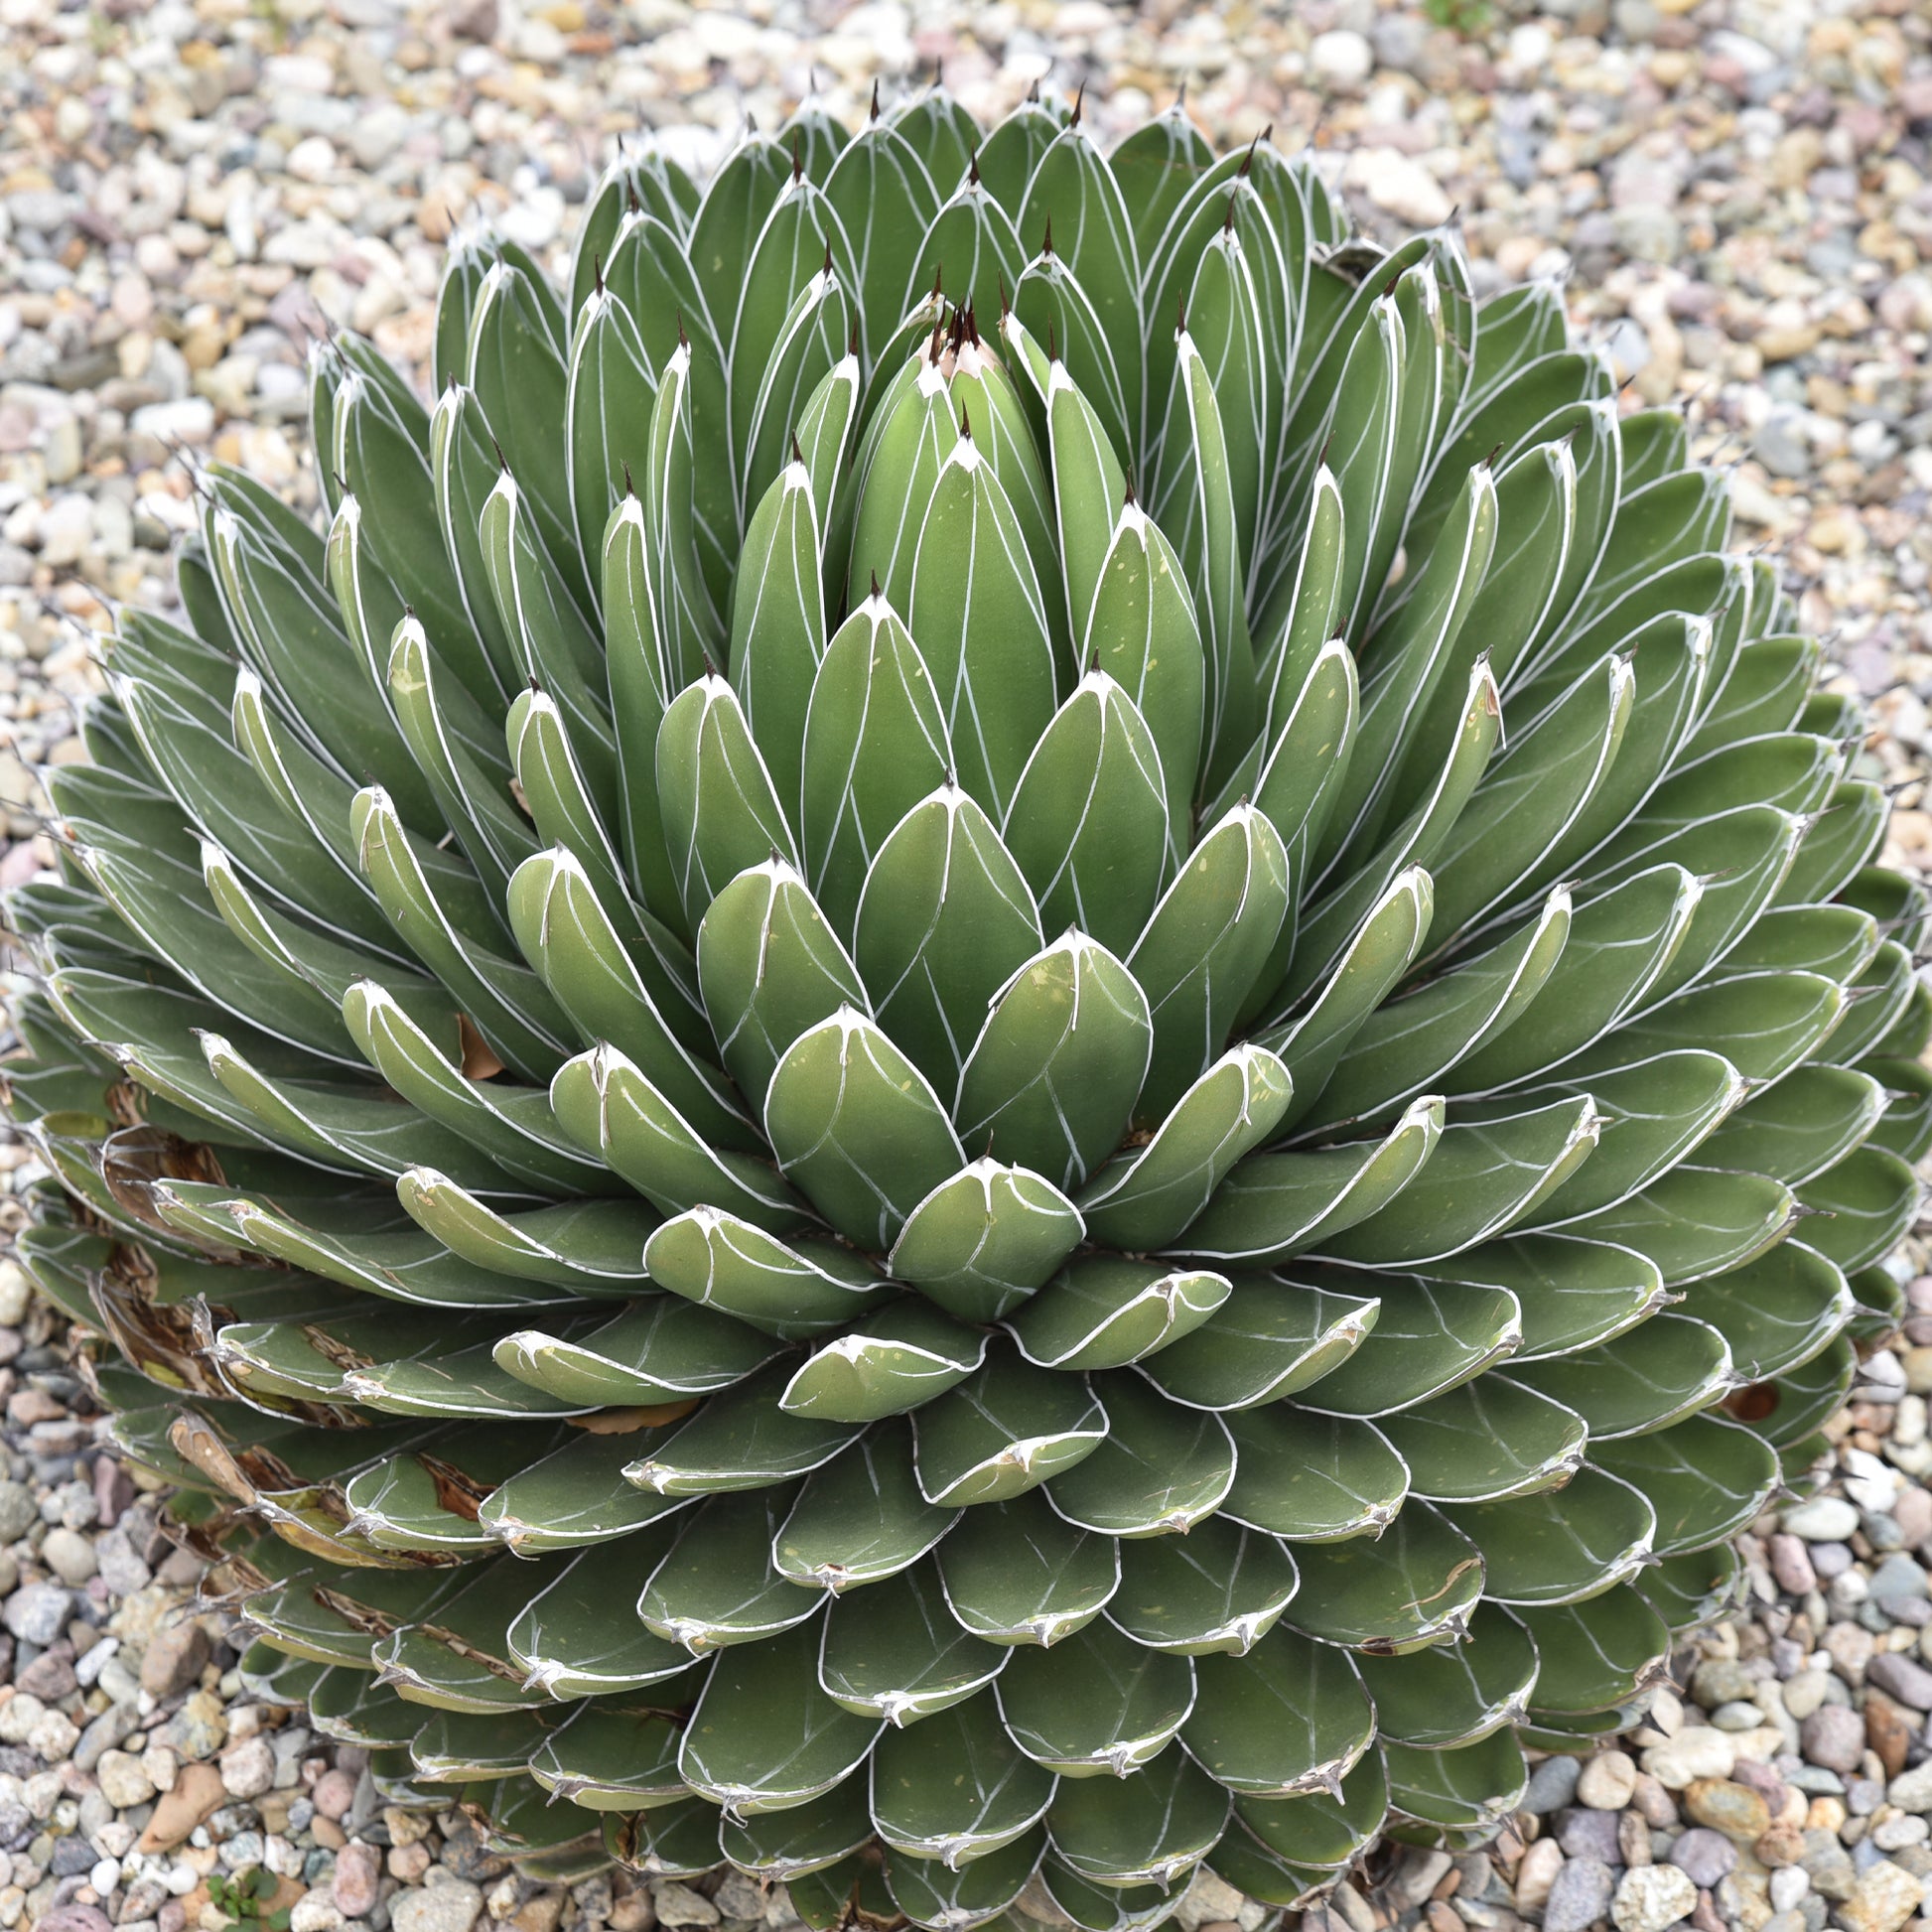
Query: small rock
[
  {"x": 248, "y": 1768},
  {"x": 123, "y": 1783},
  {"x": 1553, "y": 1784},
  {"x": 1607, "y": 1781},
  {"x": 1884, "y": 1898},
  {"x": 175, "y": 1660},
  {"x": 357, "y": 1870},
  {"x": 18, "y": 1511},
  {"x": 1833, "y": 1737},
  {"x": 1589, "y": 1835},
  {"x": 449, "y": 1907},
  {"x": 1579, "y": 1895},
  {"x": 1342, "y": 58},
  {"x": 1652, "y": 1897},
  {"x": 1726, "y": 1806},
  {"x": 1696, "y": 1751},
  {"x": 1912, "y": 1790},
  {"x": 1901, "y": 1679},
  {"x": 1791, "y": 1565},
  {"x": 334, "y": 1792},
  {"x": 38, "y": 1612},
  {"x": 1704, "y": 1856},
  {"x": 680, "y": 1905},
  {"x": 197, "y": 1796},
  {"x": 73, "y": 1917},
  {"x": 1890, "y": 1731},
  {"x": 1824, "y": 1519},
  {"x": 1535, "y": 1876},
  {"x": 70, "y": 1556}
]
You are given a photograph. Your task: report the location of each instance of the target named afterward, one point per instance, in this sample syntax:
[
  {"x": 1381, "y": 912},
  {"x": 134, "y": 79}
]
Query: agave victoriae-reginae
[{"x": 849, "y": 1109}]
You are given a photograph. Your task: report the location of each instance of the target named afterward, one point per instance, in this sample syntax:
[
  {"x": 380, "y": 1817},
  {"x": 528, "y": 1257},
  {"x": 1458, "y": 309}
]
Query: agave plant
[{"x": 850, "y": 1112}]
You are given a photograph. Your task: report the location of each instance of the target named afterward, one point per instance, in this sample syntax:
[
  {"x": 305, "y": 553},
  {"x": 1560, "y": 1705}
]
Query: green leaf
[
  {"x": 1261, "y": 1344},
  {"x": 1089, "y": 824},
  {"x": 1313, "y": 1479},
  {"x": 1561, "y": 1545},
  {"x": 1018, "y": 1572},
  {"x": 1453, "y": 1693},
  {"x": 1151, "y": 1829},
  {"x": 894, "y": 1650},
  {"x": 1414, "y": 1586},
  {"x": 905, "y": 1355},
  {"x": 763, "y": 1736},
  {"x": 944, "y": 922},
  {"x": 771, "y": 968},
  {"x": 1147, "y": 1199},
  {"x": 985, "y": 1239},
  {"x": 1481, "y": 1179},
  {"x": 1705, "y": 1478},
  {"x": 977, "y": 611},
  {"x": 1106, "y": 1311},
  {"x": 958, "y": 1789},
  {"x": 885, "y": 200},
  {"x": 1220, "y": 1588},
  {"x": 777, "y": 630},
  {"x": 1053, "y": 1077},
  {"x": 718, "y": 1587},
  {"x": 1161, "y": 1469},
  {"x": 720, "y": 811},
  {"x": 604, "y": 1103},
  {"x": 875, "y": 745},
  {"x": 1004, "y": 1429},
  {"x": 564, "y": 931},
  {"x": 979, "y": 1889},
  {"x": 861, "y": 1518},
  {"x": 1096, "y": 1702},
  {"x": 855, "y": 1125},
  {"x": 739, "y": 1440},
  {"x": 1288, "y": 1717},
  {"x": 1274, "y": 1205},
  {"x": 1487, "y": 1438},
  {"x": 715, "y": 1260},
  {"x": 1203, "y": 948}
]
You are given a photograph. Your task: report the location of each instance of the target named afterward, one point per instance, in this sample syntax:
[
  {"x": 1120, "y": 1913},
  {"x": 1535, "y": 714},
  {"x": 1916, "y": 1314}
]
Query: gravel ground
[{"x": 1741, "y": 193}]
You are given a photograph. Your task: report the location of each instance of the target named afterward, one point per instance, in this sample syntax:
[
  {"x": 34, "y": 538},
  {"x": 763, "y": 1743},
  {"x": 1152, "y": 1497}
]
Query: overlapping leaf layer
[{"x": 850, "y": 1103}]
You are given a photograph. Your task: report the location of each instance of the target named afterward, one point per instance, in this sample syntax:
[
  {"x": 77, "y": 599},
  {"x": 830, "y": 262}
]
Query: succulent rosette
[{"x": 1018, "y": 1027}]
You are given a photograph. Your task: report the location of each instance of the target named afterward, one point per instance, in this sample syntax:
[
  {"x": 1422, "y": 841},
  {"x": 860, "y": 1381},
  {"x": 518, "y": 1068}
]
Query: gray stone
[
  {"x": 449, "y": 1907},
  {"x": 1579, "y": 1895},
  {"x": 1901, "y": 1679},
  {"x": 1553, "y": 1784},
  {"x": 1704, "y": 1856},
  {"x": 18, "y": 1510},
  {"x": 1833, "y": 1737},
  {"x": 38, "y": 1612},
  {"x": 1589, "y": 1835}
]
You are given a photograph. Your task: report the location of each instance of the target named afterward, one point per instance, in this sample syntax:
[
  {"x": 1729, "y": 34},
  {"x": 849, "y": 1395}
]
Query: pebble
[
  {"x": 358, "y": 1870},
  {"x": 1650, "y": 1897},
  {"x": 175, "y": 1658},
  {"x": 1824, "y": 1519},
  {"x": 1607, "y": 1781},
  {"x": 1884, "y": 1898},
  {"x": 1833, "y": 1735},
  {"x": 1704, "y": 1856},
  {"x": 449, "y": 1907},
  {"x": 1553, "y": 1784},
  {"x": 1901, "y": 1679},
  {"x": 1728, "y": 1806},
  {"x": 1696, "y": 1751}
]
